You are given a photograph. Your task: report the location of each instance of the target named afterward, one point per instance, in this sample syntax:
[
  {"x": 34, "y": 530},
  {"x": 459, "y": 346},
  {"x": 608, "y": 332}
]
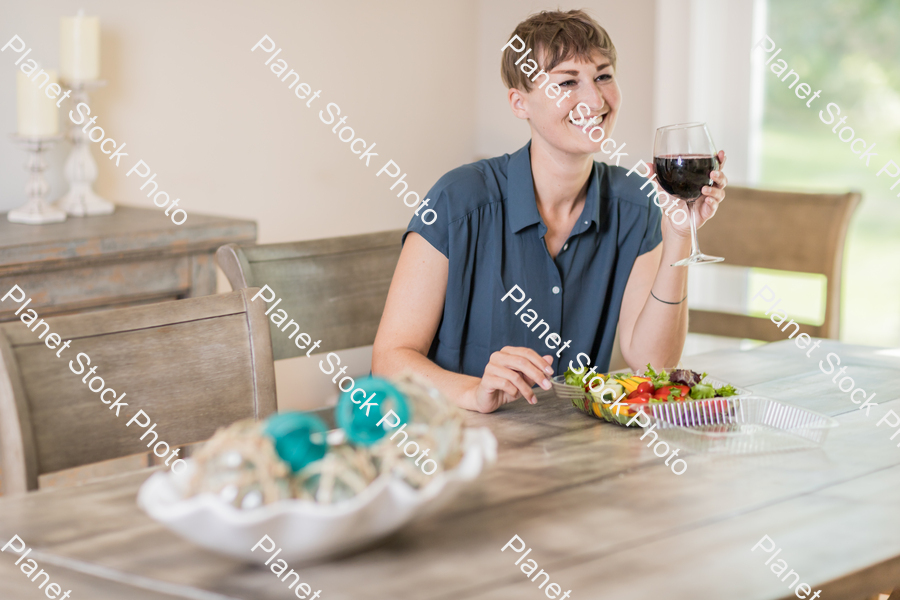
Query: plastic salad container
[{"x": 621, "y": 413}]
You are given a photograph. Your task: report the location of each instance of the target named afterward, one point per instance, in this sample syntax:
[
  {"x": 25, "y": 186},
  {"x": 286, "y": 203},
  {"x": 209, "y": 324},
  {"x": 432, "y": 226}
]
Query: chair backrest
[
  {"x": 787, "y": 231},
  {"x": 335, "y": 288},
  {"x": 191, "y": 365}
]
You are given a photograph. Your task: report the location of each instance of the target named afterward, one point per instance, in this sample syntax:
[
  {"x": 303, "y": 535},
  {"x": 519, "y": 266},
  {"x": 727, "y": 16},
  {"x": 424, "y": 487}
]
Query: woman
[{"x": 578, "y": 238}]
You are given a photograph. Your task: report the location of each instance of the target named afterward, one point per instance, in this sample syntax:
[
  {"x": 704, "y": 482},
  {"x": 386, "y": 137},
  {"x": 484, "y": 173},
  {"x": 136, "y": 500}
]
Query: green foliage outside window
[{"x": 850, "y": 49}]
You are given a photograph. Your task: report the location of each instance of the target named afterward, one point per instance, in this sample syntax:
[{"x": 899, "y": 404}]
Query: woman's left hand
[{"x": 705, "y": 206}]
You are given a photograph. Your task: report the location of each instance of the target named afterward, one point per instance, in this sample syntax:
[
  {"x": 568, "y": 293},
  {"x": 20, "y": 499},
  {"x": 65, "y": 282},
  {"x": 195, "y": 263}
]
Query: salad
[{"x": 617, "y": 396}]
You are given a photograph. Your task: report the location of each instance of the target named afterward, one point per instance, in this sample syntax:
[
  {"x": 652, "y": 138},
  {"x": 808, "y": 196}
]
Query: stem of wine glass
[{"x": 694, "y": 245}]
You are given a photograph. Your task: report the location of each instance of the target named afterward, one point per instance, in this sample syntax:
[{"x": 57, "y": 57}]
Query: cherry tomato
[{"x": 645, "y": 387}]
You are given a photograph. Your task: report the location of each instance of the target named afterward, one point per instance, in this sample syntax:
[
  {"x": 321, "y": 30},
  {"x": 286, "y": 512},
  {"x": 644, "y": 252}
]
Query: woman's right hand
[{"x": 510, "y": 375}]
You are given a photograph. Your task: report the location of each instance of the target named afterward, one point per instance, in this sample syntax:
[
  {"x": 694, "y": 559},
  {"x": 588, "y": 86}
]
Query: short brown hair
[{"x": 555, "y": 36}]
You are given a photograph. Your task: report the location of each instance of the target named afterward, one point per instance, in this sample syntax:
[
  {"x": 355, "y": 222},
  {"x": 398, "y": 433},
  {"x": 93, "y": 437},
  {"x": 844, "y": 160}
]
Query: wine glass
[{"x": 684, "y": 155}]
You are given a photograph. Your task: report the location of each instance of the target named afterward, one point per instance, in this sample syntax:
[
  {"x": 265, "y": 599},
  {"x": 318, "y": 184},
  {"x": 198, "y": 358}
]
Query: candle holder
[
  {"x": 80, "y": 169},
  {"x": 36, "y": 211}
]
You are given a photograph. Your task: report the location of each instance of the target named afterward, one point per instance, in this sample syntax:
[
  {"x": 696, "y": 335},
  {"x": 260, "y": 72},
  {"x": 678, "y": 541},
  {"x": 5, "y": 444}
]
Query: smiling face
[{"x": 585, "y": 82}]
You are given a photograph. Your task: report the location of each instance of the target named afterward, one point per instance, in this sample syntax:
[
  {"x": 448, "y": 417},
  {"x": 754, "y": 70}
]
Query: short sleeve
[
  {"x": 437, "y": 229},
  {"x": 455, "y": 195},
  {"x": 653, "y": 235}
]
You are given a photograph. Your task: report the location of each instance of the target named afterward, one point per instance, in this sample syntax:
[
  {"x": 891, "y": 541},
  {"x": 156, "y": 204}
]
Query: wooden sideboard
[{"x": 133, "y": 256}]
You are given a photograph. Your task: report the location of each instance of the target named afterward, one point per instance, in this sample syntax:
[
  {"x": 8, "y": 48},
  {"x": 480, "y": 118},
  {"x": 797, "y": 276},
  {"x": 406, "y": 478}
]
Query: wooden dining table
[{"x": 603, "y": 516}]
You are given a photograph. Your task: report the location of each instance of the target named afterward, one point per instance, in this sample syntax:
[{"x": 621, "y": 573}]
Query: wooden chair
[
  {"x": 338, "y": 286},
  {"x": 778, "y": 230},
  {"x": 192, "y": 365}
]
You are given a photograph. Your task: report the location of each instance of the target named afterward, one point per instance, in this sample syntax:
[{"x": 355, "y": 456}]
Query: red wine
[{"x": 685, "y": 175}]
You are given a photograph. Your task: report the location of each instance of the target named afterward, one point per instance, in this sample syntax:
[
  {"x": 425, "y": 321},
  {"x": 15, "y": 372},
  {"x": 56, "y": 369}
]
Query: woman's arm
[
  {"x": 651, "y": 331},
  {"x": 411, "y": 317}
]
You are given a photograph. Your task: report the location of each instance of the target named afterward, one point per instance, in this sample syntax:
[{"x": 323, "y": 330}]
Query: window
[{"x": 849, "y": 50}]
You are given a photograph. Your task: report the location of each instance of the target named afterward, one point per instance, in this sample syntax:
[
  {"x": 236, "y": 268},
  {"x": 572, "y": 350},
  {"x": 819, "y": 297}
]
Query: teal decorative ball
[
  {"x": 299, "y": 438},
  {"x": 361, "y": 424}
]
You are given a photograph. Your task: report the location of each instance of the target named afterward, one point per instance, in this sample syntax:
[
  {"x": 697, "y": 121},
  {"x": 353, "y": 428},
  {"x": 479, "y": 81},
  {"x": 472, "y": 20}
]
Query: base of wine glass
[{"x": 697, "y": 259}]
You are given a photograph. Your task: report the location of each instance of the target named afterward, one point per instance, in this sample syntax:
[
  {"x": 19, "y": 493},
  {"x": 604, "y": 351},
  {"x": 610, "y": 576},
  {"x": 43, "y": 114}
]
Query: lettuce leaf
[
  {"x": 702, "y": 390},
  {"x": 685, "y": 377},
  {"x": 573, "y": 378},
  {"x": 726, "y": 390},
  {"x": 658, "y": 379}
]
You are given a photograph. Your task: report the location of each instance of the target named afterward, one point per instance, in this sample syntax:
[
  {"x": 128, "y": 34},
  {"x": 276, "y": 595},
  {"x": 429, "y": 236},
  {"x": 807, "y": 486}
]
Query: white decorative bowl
[{"x": 303, "y": 529}]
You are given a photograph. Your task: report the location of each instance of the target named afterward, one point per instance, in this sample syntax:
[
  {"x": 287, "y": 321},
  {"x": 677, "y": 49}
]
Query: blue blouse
[{"x": 489, "y": 227}]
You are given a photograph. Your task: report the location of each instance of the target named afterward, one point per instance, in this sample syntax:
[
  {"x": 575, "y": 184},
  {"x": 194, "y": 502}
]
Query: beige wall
[
  {"x": 227, "y": 137},
  {"x": 421, "y": 79}
]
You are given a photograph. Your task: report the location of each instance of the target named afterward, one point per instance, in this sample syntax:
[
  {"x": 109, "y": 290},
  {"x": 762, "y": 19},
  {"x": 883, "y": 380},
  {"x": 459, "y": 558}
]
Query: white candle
[
  {"x": 36, "y": 110},
  {"x": 79, "y": 48}
]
